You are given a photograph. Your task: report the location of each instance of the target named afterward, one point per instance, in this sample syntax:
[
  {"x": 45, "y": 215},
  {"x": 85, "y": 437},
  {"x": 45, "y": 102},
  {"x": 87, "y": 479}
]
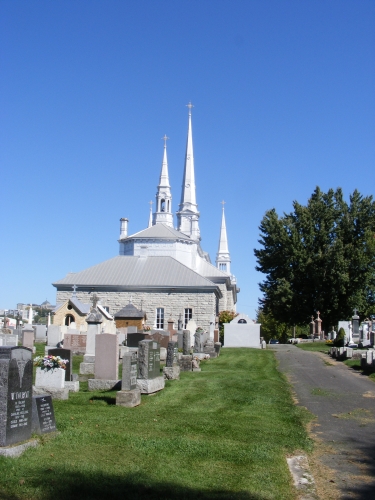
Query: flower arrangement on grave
[
  {"x": 146, "y": 328},
  {"x": 199, "y": 330},
  {"x": 50, "y": 362}
]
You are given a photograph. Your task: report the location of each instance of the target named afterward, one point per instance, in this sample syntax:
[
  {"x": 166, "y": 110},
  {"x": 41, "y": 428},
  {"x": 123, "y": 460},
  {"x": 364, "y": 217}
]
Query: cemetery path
[{"x": 343, "y": 402}]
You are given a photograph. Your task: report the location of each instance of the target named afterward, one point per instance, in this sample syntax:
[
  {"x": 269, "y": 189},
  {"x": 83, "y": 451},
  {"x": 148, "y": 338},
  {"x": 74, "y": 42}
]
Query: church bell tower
[{"x": 163, "y": 210}]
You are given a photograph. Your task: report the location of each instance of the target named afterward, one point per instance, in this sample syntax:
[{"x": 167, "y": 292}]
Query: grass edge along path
[{"x": 222, "y": 433}]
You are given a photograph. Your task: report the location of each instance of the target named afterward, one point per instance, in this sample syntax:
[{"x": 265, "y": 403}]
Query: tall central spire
[
  {"x": 163, "y": 210},
  {"x": 188, "y": 214}
]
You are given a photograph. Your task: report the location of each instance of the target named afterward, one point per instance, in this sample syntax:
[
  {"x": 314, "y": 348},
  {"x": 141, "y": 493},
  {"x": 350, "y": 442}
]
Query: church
[{"x": 162, "y": 270}]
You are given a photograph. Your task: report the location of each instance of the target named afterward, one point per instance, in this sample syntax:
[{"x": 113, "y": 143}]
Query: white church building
[{"x": 163, "y": 269}]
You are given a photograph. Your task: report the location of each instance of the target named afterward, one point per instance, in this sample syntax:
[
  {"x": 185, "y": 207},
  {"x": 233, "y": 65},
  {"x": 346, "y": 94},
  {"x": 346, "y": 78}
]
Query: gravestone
[
  {"x": 186, "y": 342},
  {"x": 43, "y": 420},
  {"x": 8, "y": 340},
  {"x": 129, "y": 395},
  {"x": 106, "y": 363},
  {"x": 149, "y": 379},
  {"x": 64, "y": 354},
  {"x": 185, "y": 362},
  {"x": 209, "y": 348},
  {"x": 28, "y": 338},
  {"x": 16, "y": 372},
  {"x": 180, "y": 342},
  {"x": 54, "y": 335},
  {"x": 76, "y": 343},
  {"x": 171, "y": 371},
  {"x": 94, "y": 321},
  {"x": 134, "y": 338},
  {"x": 198, "y": 342},
  {"x": 218, "y": 347},
  {"x": 40, "y": 333},
  {"x": 132, "y": 329}
]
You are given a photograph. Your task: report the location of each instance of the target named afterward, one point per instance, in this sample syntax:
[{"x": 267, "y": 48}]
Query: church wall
[{"x": 203, "y": 304}]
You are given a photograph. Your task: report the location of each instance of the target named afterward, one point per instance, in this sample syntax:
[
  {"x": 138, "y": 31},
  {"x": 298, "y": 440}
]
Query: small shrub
[{"x": 340, "y": 339}]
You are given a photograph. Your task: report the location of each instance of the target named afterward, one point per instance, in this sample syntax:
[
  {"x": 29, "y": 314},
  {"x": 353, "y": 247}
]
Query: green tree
[
  {"x": 319, "y": 257},
  {"x": 271, "y": 328}
]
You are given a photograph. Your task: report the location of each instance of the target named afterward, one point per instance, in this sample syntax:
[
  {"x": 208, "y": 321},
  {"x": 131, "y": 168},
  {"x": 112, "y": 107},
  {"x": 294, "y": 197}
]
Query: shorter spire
[
  {"x": 223, "y": 257},
  {"x": 163, "y": 210}
]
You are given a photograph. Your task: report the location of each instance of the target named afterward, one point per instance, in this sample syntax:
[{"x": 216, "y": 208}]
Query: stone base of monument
[
  {"x": 15, "y": 451},
  {"x": 87, "y": 367},
  {"x": 186, "y": 363},
  {"x": 96, "y": 384},
  {"x": 50, "y": 391},
  {"x": 149, "y": 386},
  {"x": 54, "y": 379},
  {"x": 72, "y": 386},
  {"x": 171, "y": 372},
  {"x": 202, "y": 355},
  {"x": 128, "y": 398}
]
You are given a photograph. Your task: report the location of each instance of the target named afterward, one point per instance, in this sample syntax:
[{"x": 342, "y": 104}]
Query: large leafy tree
[{"x": 319, "y": 257}]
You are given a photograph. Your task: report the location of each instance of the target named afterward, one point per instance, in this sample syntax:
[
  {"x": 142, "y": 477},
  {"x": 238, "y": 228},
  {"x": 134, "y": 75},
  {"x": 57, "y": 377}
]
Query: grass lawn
[
  {"x": 222, "y": 433},
  {"x": 314, "y": 346},
  {"x": 356, "y": 365}
]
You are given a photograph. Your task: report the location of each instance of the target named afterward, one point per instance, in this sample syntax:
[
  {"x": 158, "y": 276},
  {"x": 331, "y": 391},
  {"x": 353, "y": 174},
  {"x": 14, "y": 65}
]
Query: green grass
[
  {"x": 356, "y": 365},
  {"x": 314, "y": 346},
  {"x": 222, "y": 433}
]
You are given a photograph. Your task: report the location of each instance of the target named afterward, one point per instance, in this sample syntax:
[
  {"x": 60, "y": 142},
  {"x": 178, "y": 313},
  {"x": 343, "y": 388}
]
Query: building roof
[
  {"x": 210, "y": 271},
  {"x": 79, "y": 306},
  {"x": 130, "y": 311},
  {"x": 160, "y": 231},
  {"x": 135, "y": 271}
]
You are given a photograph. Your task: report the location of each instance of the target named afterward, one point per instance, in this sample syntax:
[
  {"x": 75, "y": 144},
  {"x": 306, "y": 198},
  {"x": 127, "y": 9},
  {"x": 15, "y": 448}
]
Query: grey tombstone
[
  {"x": 43, "y": 419},
  {"x": 40, "y": 333},
  {"x": 186, "y": 342},
  {"x": 171, "y": 354},
  {"x": 171, "y": 371},
  {"x": 217, "y": 346},
  {"x": 149, "y": 379},
  {"x": 129, "y": 371},
  {"x": 180, "y": 342},
  {"x": 54, "y": 335},
  {"x": 198, "y": 342},
  {"x": 8, "y": 340},
  {"x": 64, "y": 354},
  {"x": 355, "y": 323},
  {"x": 129, "y": 395},
  {"x": 16, "y": 372}
]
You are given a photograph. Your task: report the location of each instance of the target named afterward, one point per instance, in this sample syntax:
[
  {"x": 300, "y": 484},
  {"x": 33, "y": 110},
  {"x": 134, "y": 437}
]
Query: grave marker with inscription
[
  {"x": 149, "y": 379},
  {"x": 129, "y": 395},
  {"x": 43, "y": 420},
  {"x": 16, "y": 371}
]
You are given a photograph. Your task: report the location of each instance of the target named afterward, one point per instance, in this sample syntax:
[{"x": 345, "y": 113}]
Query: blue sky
[{"x": 283, "y": 95}]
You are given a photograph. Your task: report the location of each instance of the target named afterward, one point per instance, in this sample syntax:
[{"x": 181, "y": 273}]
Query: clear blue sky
[{"x": 284, "y": 101}]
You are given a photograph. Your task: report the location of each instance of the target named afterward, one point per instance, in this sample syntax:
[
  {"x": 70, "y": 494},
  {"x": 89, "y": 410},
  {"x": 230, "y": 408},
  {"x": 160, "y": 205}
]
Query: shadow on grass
[
  {"x": 107, "y": 399},
  {"x": 72, "y": 485}
]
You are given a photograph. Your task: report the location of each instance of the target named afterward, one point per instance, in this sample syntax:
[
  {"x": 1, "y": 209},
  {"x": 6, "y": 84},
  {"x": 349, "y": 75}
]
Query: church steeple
[
  {"x": 163, "y": 210},
  {"x": 223, "y": 256},
  {"x": 150, "y": 216},
  {"x": 188, "y": 214}
]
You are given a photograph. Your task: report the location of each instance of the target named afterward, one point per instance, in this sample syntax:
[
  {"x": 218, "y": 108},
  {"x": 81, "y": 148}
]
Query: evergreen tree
[{"x": 319, "y": 257}]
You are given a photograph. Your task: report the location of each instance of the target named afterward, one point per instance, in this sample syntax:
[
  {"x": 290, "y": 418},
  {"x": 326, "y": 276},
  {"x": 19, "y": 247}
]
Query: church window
[
  {"x": 162, "y": 206},
  {"x": 223, "y": 267},
  {"x": 188, "y": 315},
  {"x": 242, "y": 321},
  {"x": 69, "y": 318},
  {"x": 168, "y": 206},
  {"x": 160, "y": 318}
]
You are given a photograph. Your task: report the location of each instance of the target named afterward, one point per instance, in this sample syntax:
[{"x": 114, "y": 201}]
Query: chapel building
[{"x": 162, "y": 270}]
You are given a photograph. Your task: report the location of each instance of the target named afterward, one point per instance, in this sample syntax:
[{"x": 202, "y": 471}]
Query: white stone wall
[{"x": 203, "y": 304}]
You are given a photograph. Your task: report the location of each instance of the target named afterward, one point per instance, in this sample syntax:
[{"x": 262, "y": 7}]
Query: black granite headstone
[
  {"x": 43, "y": 415},
  {"x": 149, "y": 359},
  {"x": 16, "y": 372},
  {"x": 64, "y": 354},
  {"x": 132, "y": 339}
]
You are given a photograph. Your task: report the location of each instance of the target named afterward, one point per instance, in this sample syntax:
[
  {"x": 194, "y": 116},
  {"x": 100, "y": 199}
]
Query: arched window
[
  {"x": 242, "y": 321},
  {"x": 69, "y": 318},
  {"x": 162, "y": 206}
]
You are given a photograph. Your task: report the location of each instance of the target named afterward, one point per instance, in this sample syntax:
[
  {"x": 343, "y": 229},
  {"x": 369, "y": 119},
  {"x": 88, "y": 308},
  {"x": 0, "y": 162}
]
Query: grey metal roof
[
  {"x": 134, "y": 271},
  {"x": 130, "y": 311},
  {"x": 83, "y": 308},
  {"x": 161, "y": 231},
  {"x": 210, "y": 271}
]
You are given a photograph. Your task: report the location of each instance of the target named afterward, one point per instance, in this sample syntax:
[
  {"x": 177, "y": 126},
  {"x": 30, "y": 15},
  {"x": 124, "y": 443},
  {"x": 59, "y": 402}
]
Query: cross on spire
[
  {"x": 165, "y": 139},
  {"x": 190, "y": 106},
  {"x": 223, "y": 203},
  {"x": 151, "y": 202}
]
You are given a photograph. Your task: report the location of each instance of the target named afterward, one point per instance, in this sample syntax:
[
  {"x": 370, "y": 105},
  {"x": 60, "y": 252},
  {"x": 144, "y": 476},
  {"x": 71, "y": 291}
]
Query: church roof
[
  {"x": 160, "y": 231},
  {"x": 210, "y": 271},
  {"x": 133, "y": 271},
  {"x": 130, "y": 311}
]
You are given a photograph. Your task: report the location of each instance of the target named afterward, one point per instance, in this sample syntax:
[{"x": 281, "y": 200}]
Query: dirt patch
[
  {"x": 369, "y": 394},
  {"x": 361, "y": 415}
]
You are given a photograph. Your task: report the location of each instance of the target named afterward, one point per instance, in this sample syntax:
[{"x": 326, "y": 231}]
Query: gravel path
[{"x": 344, "y": 403}]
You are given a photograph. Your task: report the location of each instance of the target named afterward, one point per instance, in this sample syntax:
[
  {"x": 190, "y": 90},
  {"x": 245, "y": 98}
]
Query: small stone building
[{"x": 130, "y": 316}]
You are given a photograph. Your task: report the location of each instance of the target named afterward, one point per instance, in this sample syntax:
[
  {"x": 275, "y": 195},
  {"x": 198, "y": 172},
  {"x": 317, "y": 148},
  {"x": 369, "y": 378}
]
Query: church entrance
[{"x": 69, "y": 318}]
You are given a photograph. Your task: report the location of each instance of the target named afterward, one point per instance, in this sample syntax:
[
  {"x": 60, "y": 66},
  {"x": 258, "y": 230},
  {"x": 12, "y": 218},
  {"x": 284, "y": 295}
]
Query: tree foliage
[
  {"x": 319, "y": 257},
  {"x": 271, "y": 328}
]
